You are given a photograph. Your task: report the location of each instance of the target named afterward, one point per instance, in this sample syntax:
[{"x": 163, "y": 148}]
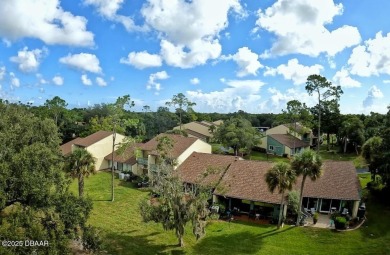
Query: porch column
[
  {"x": 230, "y": 204},
  {"x": 284, "y": 210},
  {"x": 355, "y": 208},
  {"x": 215, "y": 199},
  {"x": 252, "y": 205}
]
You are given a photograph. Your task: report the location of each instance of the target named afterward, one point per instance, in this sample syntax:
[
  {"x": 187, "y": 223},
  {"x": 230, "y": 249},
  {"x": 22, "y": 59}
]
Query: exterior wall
[
  {"x": 278, "y": 147},
  {"x": 281, "y": 129},
  {"x": 355, "y": 208},
  {"x": 101, "y": 148},
  {"x": 264, "y": 142},
  {"x": 198, "y": 146}
]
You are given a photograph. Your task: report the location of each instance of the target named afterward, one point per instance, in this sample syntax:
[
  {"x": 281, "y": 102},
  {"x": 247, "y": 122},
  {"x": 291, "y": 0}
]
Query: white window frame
[{"x": 271, "y": 147}]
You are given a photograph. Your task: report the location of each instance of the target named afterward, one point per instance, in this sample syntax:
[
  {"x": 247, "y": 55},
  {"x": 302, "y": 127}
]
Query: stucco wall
[
  {"x": 102, "y": 148},
  {"x": 198, "y": 146},
  {"x": 281, "y": 129}
]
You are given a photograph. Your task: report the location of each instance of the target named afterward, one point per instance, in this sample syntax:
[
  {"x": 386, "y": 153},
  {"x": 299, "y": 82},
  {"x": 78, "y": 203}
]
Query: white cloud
[
  {"x": 40, "y": 78},
  {"x": 343, "y": 79},
  {"x": 278, "y": 100},
  {"x": 195, "y": 81},
  {"x": 44, "y": 20},
  {"x": 15, "y": 82},
  {"x": 2, "y": 72},
  {"x": 85, "y": 80},
  {"x": 384, "y": 81},
  {"x": 247, "y": 61},
  {"x": 58, "y": 80},
  {"x": 189, "y": 29},
  {"x": 109, "y": 8},
  {"x": 101, "y": 82},
  {"x": 373, "y": 94},
  {"x": 372, "y": 58},
  {"x": 142, "y": 60},
  {"x": 153, "y": 78},
  {"x": 299, "y": 27},
  {"x": 83, "y": 61},
  {"x": 294, "y": 71},
  {"x": 238, "y": 95},
  {"x": 29, "y": 61}
]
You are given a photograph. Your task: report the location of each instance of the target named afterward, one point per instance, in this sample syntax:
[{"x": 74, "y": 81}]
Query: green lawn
[
  {"x": 125, "y": 233},
  {"x": 255, "y": 155},
  {"x": 364, "y": 179}
]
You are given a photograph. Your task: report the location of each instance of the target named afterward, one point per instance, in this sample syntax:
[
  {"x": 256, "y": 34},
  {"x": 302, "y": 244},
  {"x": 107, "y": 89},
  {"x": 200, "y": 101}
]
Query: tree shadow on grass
[
  {"x": 237, "y": 243},
  {"x": 128, "y": 243}
]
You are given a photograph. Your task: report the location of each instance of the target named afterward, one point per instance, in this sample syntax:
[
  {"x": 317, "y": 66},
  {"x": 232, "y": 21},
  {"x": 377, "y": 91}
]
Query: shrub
[
  {"x": 315, "y": 218},
  {"x": 92, "y": 240},
  {"x": 340, "y": 223}
]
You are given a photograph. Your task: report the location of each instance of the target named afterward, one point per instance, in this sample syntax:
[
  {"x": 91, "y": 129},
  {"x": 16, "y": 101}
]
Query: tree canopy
[{"x": 237, "y": 133}]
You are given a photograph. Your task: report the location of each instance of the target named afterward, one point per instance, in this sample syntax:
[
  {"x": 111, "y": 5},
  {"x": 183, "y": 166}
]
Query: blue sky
[{"x": 225, "y": 55}]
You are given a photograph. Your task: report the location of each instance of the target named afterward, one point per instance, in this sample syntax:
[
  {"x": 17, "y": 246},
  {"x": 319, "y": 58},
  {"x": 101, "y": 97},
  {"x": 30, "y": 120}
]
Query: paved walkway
[{"x": 323, "y": 222}]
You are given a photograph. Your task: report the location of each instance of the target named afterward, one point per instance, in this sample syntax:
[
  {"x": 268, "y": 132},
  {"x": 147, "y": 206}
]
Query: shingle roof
[
  {"x": 180, "y": 144},
  {"x": 289, "y": 140},
  {"x": 246, "y": 180},
  {"x": 127, "y": 156},
  {"x": 338, "y": 181},
  {"x": 95, "y": 137},
  {"x": 204, "y": 168},
  {"x": 66, "y": 148}
]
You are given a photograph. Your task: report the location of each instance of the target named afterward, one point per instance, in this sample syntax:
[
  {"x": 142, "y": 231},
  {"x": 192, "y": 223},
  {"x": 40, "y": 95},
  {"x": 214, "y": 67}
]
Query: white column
[{"x": 355, "y": 208}]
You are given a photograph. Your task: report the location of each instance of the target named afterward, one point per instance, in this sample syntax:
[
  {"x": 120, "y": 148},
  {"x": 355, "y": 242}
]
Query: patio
[{"x": 323, "y": 222}]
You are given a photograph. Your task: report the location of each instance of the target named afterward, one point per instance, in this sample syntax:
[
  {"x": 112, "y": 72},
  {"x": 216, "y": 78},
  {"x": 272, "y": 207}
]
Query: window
[{"x": 271, "y": 147}]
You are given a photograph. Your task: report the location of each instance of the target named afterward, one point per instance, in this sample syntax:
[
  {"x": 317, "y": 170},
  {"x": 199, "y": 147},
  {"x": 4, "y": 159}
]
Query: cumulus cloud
[
  {"x": 372, "y": 58},
  {"x": 153, "y": 78},
  {"x": 85, "y": 80},
  {"x": 83, "y": 61},
  {"x": 194, "y": 81},
  {"x": 109, "y": 8},
  {"x": 189, "y": 29},
  {"x": 373, "y": 94},
  {"x": 343, "y": 79},
  {"x": 15, "y": 82},
  {"x": 40, "y": 78},
  {"x": 101, "y": 82},
  {"x": 294, "y": 71},
  {"x": 278, "y": 99},
  {"x": 142, "y": 60},
  {"x": 247, "y": 61},
  {"x": 2, "y": 72},
  {"x": 237, "y": 95},
  {"x": 58, "y": 80},
  {"x": 384, "y": 81},
  {"x": 44, "y": 20},
  {"x": 29, "y": 61},
  {"x": 299, "y": 26}
]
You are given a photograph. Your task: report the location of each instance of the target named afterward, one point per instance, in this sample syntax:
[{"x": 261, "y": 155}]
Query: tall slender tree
[
  {"x": 180, "y": 101},
  {"x": 319, "y": 85},
  {"x": 280, "y": 177},
  {"x": 307, "y": 164},
  {"x": 80, "y": 164}
]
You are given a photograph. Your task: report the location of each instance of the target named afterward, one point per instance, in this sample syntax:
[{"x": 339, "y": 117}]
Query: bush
[
  {"x": 92, "y": 241},
  {"x": 259, "y": 149},
  {"x": 340, "y": 222},
  {"x": 315, "y": 218}
]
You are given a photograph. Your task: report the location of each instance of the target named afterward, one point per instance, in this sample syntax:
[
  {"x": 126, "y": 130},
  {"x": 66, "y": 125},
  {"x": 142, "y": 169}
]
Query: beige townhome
[
  {"x": 287, "y": 139},
  {"x": 182, "y": 149},
  {"x": 201, "y": 129},
  {"x": 99, "y": 144}
]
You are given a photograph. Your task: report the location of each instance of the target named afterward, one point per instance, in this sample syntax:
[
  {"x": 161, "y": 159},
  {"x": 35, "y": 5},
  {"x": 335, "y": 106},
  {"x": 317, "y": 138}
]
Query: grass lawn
[
  {"x": 364, "y": 179},
  {"x": 125, "y": 233},
  {"x": 255, "y": 155}
]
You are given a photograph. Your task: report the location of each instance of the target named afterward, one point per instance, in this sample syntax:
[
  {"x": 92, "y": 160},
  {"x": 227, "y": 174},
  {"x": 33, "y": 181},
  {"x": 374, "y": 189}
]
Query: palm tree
[
  {"x": 308, "y": 164},
  {"x": 80, "y": 164},
  {"x": 280, "y": 177}
]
